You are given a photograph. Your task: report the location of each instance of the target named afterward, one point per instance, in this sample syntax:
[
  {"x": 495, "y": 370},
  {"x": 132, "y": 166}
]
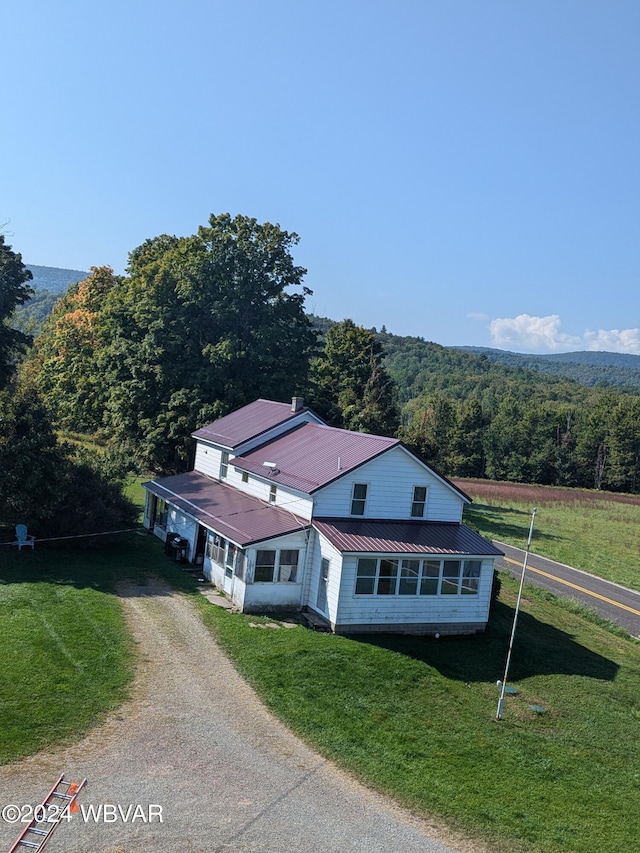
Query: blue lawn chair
[{"x": 23, "y": 538}]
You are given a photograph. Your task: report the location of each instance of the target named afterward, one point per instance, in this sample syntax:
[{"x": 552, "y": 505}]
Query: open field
[{"x": 598, "y": 532}]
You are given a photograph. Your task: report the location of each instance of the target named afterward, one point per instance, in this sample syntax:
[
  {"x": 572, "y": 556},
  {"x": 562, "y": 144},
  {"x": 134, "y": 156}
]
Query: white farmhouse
[{"x": 285, "y": 512}]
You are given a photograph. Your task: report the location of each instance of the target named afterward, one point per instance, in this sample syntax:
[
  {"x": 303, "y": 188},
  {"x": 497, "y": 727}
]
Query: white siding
[
  {"x": 438, "y": 610},
  {"x": 207, "y": 460},
  {"x": 276, "y": 595},
  {"x": 295, "y": 502},
  {"x": 390, "y": 479},
  {"x": 322, "y": 548}
]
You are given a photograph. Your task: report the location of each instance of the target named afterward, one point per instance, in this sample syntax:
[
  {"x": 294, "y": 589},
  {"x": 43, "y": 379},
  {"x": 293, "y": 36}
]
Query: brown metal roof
[
  {"x": 404, "y": 537},
  {"x": 246, "y": 423},
  {"x": 311, "y": 455},
  {"x": 233, "y": 514}
]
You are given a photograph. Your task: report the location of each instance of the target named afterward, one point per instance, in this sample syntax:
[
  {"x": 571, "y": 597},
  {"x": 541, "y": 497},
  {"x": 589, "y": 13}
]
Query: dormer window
[
  {"x": 419, "y": 501},
  {"x": 358, "y": 498}
]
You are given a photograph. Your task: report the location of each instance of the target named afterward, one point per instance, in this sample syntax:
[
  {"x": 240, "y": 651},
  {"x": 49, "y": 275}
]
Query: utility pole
[{"x": 515, "y": 621}]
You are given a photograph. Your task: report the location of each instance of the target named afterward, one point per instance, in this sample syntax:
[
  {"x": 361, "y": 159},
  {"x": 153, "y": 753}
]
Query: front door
[
  {"x": 201, "y": 544},
  {"x": 321, "y": 600}
]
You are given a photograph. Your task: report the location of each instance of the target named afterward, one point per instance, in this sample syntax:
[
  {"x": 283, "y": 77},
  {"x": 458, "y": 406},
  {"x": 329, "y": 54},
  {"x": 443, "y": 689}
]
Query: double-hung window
[
  {"x": 419, "y": 501},
  {"x": 224, "y": 464},
  {"x": 265, "y": 566},
  {"x": 358, "y": 498}
]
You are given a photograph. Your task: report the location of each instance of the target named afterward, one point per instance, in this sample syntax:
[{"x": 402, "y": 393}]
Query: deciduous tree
[
  {"x": 202, "y": 325},
  {"x": 14, "y": 291},
  {"x": 350, "y": 387}
]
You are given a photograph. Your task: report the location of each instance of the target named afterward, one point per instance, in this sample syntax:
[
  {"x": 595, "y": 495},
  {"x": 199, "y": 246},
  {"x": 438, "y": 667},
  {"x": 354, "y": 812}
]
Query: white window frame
[
  {"x": 415, "y": 502},
  {"x": 224, "y": 465},
  {"x": 393, "y": 575},
  {"x": 363, "y": 500},
  {"x": 280, "y": 567}
]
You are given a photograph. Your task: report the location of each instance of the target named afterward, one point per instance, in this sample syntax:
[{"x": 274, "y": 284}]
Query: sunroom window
[
  {"x": 417, "y": 577},
  {"x": 265, "y": 566},
  {"x": 274, "y": 566}
]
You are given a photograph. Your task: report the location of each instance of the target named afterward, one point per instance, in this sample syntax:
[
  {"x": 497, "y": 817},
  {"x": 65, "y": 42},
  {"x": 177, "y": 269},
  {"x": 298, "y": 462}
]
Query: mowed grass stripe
[{"x": 67, "y": 657}]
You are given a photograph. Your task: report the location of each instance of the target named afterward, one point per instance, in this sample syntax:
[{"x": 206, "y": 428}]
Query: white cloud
[
  {"x": 613, "y": 340},
  {"x": 525, "y": 333}
]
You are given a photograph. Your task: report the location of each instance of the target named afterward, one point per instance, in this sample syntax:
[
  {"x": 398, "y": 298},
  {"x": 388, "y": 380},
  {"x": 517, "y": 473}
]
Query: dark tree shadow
[
  {"x": 538, "y": 649},
  {"x": 123, "y": 567}
]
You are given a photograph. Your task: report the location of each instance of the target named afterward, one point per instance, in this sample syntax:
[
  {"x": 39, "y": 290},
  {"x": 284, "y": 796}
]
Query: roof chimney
[{"x": 297, "y": 404}]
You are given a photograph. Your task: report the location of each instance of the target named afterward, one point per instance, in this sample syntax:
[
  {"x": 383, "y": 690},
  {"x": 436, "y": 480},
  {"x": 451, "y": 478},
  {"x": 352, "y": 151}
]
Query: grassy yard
[
  {"x": 415, "y": 718},
  {"x": 598, "y": 532},
  {"x": 67, "y": 657},
  {"x": 412, "y": 717}
]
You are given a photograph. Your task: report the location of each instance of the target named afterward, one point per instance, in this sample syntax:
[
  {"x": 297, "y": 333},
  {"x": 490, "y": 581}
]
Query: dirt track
[{"x": 195, "y": 741}]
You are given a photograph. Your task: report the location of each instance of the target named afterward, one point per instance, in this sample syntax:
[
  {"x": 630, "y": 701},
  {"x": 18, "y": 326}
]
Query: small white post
[{"x": 515, "y": 621}]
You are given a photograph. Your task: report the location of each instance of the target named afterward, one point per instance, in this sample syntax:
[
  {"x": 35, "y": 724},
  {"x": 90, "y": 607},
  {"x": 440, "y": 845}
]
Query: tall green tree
[
  {"x": 65, "y": 361},
  {"x": 202, "y": 325},
  {"x": 467, "y": 441},
  {"x": 623, "y": 473},
  {"x": 349, "y": 385},
  {"x": 43, "y": 485},
  {"x": 14, "y": 291},
  {"x": 431, "y": 432}
]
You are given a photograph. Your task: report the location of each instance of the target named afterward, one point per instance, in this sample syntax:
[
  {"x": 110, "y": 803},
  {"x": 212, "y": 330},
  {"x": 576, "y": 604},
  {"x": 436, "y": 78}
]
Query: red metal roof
[
  {"x": 246, "y": 423},
  {"x": 404, "y": 537},
  {"x": 311, "y": 455},
  {"x": 233, "y": 514}
]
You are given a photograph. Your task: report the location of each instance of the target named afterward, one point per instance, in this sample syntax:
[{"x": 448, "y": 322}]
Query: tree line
[
  {"x": 470, "y": 416},
  {"x": 201, "y": 325}
]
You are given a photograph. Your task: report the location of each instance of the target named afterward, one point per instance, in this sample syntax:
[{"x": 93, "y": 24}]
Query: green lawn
[
  {"x": 67, "y": 657},
  {"x": 415, "y": 718}
]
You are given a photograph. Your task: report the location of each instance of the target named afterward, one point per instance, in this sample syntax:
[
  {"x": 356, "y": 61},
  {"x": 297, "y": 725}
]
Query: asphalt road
[{"x": 613, "y": 602}]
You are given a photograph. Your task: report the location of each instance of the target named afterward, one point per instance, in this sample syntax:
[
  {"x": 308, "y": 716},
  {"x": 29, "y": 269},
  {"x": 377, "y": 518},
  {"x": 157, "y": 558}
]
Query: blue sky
[{"x": 468, "y": 172}]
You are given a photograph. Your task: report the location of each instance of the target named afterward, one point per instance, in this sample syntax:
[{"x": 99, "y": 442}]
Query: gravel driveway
[{"x": 196, "y": 742}]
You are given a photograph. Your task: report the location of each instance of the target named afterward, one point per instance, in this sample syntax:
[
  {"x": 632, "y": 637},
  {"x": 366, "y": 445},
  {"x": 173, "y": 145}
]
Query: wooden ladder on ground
[{"x": 48, "y": 815}]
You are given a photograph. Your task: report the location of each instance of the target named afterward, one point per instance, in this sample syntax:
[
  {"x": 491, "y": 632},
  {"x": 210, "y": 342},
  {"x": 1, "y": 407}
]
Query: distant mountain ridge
[
  {"x": 586, "y": 367},
  {"x": 54, "y": 279}
]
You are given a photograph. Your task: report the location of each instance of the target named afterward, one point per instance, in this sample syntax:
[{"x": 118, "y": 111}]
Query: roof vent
[
  {"x": 272, "y": 466},
  {"x": 297, "y": 404}
]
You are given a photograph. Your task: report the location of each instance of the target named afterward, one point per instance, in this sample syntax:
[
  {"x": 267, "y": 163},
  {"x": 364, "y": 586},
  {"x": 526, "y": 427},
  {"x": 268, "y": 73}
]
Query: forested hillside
[
  {"x": 133, "y": 359},
  {"x": 54, "y": 279},
  {"x": 48, "y": 283},
  {"x": 471, "y": 416},
  {"x": 588, "y": 368}
]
